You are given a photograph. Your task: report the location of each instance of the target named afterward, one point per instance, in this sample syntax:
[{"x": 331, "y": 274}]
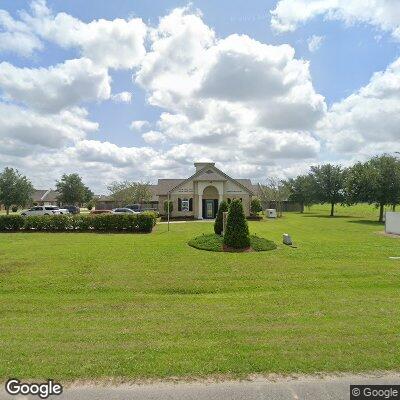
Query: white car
[
  {"x": 63, "y": 211},
  {"x": 124, "y": 211},
  {"x": 41, "y": 210}
]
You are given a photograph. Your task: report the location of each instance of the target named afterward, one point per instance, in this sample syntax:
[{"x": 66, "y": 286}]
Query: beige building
[{"x": 199, "y": 195}]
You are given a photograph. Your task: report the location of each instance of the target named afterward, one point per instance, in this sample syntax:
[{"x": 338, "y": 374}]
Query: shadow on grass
[{"x": 366, "y": 222}]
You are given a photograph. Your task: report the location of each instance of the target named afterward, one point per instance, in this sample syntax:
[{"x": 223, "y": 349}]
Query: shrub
[
  {"x": 237, "y": 230},
  {"x": 171, "y": 207},
  {"x": 255, "y": 206},
  {"x": 151, "y": 214},
  {"x": 14, "y": 209},
  {"x": 79, "y": 223},
  {"x": 11, "y": 222},
  {"x": 218, "y": 224}
]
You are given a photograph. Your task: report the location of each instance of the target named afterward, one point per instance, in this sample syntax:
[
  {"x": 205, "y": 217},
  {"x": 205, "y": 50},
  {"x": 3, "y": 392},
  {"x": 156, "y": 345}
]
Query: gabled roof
[
  {"x": 244, "y": 183},
  {"x": 44, "y": 195}
]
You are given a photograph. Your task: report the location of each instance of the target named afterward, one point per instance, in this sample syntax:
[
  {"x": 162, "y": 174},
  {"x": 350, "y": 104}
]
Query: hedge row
[{"x": 80, "y": 223}]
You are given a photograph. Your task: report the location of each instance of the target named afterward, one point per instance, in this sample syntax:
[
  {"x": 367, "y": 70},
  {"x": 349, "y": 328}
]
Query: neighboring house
[
  {"x": 199, "y": 195},
  {"x": 47, "y": 197}
]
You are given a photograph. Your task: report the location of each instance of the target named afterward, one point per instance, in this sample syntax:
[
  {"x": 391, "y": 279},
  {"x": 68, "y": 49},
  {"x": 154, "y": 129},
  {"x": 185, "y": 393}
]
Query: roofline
[{"x": 203, "y": 169}]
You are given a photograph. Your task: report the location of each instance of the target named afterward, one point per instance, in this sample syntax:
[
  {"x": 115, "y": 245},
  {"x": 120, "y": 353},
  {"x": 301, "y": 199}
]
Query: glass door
[{"x": 209, "y": 208}]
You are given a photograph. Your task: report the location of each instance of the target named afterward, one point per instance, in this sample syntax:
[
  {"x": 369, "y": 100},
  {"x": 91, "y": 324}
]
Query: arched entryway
[{"x": 210, "y": 202}]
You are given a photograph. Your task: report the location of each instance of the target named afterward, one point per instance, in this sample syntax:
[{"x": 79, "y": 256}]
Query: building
[
  {"x": 44, "y": 197},
  {"x": 199, "y": 195}
]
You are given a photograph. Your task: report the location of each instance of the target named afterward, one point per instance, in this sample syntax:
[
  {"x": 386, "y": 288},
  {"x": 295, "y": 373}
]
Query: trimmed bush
[
  {"x": 11, "y": 222},
  {"x": 237, "y": 230},
  {"x": 255, "y": 206},
  {"x": 80, "y": 223},
  {"x": 218, "y": 224}
]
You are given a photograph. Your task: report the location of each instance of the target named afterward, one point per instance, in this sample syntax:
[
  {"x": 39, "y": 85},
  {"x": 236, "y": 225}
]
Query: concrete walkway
[{"x": 259, "y": 388}]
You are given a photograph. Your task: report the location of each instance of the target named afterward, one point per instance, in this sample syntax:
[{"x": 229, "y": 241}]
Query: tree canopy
[
  {"x": 126, "y": 192},
  {"x": 15, "y": 189},
  {"x": 71, "y": 190},
  {"x": 301, "y": 190}
]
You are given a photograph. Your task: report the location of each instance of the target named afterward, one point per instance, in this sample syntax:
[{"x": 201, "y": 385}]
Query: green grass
[
  {"x": 139, "y": 306},
  {"x": 213, "y": 242}
]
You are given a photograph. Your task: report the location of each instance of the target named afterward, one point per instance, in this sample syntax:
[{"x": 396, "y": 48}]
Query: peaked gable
[{"x": 211, "y": 173}]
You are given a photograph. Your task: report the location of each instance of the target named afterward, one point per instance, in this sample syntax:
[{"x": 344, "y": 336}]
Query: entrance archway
[{"x": 210, "y": 202}]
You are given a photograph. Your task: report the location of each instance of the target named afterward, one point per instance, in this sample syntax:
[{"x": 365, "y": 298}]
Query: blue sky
[{"x": 353, "y": 47}]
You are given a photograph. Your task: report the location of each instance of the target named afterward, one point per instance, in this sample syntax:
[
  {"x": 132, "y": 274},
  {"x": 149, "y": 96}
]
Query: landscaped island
[{"x": 90, "y": 306}]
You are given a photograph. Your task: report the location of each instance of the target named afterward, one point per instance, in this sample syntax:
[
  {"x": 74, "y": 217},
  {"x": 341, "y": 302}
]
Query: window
[
  {"x": 179, "y": 204},
  {"x": 190, "y": 204},
  {"x": 185, "y": 205}
]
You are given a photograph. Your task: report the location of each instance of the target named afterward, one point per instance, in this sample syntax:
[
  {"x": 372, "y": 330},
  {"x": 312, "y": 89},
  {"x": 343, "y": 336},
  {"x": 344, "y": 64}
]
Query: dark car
[{"x": 73, "y": 209}]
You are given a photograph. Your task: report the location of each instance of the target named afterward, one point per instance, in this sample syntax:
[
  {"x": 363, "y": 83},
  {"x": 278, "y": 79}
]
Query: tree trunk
[
  {"x": 381, "y": 206},
  {"x": 394, "y": 207},
  {"x": 7, "y": 210},
  {"x": 332, "y": 209},
  {"x": 302, "y": 208}
]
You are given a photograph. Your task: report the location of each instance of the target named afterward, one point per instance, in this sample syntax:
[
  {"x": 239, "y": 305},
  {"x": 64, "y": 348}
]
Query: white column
[
  {"x": 200, "y": 200},
  {"x": 221, "y": 197}
]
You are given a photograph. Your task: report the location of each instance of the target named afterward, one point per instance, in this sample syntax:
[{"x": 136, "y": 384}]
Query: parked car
[
  {"x": 73, "y": 209},
  {"x": 141, "y": 207},
  {"x": 64, "y": 211},
  {"x": 124, "y": 211},
  {"x": 42, "y": 210},
  {"x": 100, "y": 212}
]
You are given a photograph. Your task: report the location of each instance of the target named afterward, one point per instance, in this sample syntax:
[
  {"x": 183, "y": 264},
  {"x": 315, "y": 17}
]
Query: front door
[{"x": 209, "y": 208}]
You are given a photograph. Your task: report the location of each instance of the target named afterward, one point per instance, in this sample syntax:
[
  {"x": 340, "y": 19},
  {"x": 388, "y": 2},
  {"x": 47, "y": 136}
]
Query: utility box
[
  {"x": 271, "y": 213},
  {"x": 392, "y": 222},
  {"x": 287, "y": 239}
]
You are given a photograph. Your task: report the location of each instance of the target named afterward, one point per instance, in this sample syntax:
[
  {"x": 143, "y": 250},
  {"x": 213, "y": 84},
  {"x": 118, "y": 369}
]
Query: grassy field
[{"x": 140, "y": 306}]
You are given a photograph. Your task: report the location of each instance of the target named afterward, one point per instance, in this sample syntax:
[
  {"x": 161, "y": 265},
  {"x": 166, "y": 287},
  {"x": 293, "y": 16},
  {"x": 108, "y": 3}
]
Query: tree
[
  {"x": 255, "y": 206},
  {"x": 301, "y": 190},
  {"x": 218, "y": 224},
  {"x": 275, "y": 191},
  {"x": 126, "y": 192},
  {"x": 71, "y": 190},
  {"x": 328, "y": 181},
  {"x": 15, "y": 189},
  {"x": 237, "y": 230},
  {"x": 376, "y": 182}
]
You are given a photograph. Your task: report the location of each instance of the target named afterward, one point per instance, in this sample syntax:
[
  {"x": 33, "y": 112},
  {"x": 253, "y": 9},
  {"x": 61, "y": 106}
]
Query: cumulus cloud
[
  {"x": 139, "y": 125},
  {"x": 122, "y": 97},
  {"x": 382, "y": 14},
  {"x": 114, "y": 44},
  {"x": 57, "y": 87},
  {"x": 153, "y": 137},
  {"x": 368, "y": 118},
  {"x": 314, "y": 42}
]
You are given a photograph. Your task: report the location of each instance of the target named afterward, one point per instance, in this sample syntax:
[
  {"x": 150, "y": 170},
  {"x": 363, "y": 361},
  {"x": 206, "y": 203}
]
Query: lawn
[{"x": 137, "y": 306}]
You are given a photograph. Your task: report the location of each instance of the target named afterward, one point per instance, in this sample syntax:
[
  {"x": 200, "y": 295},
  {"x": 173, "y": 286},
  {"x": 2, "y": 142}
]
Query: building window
[
  {"x": 190, "y": 204},
  {"x": 185, "y": 205},
  {"x": 179, "y": 204}
]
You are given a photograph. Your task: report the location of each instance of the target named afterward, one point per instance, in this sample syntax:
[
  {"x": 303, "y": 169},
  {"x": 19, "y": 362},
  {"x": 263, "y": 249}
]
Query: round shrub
[
  {"x": 218, "y": 224},
  {"x": 237, "y": 230},
  {"x": 14, "y": 209}
]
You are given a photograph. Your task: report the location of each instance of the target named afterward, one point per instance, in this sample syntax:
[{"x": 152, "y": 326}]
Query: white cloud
[
  {"x": 114, "y": 44},
  {"x": 368, "y": 119},
  {"x": 123, "y": 97},
  {"x": 16, "y": 37},
  {"x": 382, "y": 14},
  {"x": 314, "y": 42},
  {"x": 153, "y": 137},
  {"x": 139, "y": 125},
  {"x": 55, "y": 88}
]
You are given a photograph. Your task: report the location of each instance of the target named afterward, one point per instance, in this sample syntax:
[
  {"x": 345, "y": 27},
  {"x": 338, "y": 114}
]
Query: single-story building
[
  {"x": 45, "y": 197},
  {"x": 199, "y": 195}
]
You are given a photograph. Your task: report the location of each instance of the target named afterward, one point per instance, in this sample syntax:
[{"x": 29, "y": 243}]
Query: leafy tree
[
  {"x": 255, "y": 206},
  {"x": 15, "y": 189},
  {"x": 71, "y": 190},
  {"x": 218, "y": 224},
  {"x": 126, "y": 192},
  {"x": 237, "y": 230},
  {"x": 171, "y": 206},
  {"x": 301, "y": 190},
  {"x": 376, "y": 182},
  {"x": 328, "y": 181}
]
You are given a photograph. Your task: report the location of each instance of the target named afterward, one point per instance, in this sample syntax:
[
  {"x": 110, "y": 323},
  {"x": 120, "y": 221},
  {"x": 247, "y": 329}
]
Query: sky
[{"x": 139, "y": 90}]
